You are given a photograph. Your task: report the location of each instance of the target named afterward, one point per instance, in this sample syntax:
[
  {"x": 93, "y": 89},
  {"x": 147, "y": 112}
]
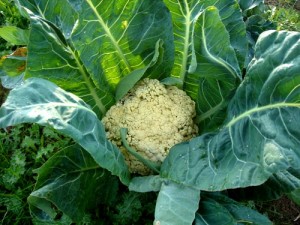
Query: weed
[
  {"x": 284, "y": 15},
  {"x": 23, "y": 148}
]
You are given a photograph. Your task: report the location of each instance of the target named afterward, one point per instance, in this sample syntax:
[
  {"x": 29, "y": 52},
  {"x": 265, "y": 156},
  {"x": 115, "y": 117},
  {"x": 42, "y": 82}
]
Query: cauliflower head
[{"x": 156, "y": 116}]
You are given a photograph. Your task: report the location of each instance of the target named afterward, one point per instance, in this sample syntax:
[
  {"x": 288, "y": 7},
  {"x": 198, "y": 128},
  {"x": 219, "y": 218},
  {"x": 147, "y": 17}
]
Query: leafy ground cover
[
  {"x": 284, "y": 14},
  {"x": 10, "y": 16},
  {"x": 23, "y": 148},
  {"x": 62, "y": 162}
]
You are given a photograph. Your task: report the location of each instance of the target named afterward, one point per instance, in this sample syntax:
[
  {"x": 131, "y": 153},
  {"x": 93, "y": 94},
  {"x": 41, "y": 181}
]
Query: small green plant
[
  {"x": 284, "y": 15},
  {"x": 10, "y": 16}
]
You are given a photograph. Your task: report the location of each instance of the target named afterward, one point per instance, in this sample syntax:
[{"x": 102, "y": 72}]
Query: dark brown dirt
[
  {"x": 3, "y": 93},
  {"x": 281, "y": 212}
]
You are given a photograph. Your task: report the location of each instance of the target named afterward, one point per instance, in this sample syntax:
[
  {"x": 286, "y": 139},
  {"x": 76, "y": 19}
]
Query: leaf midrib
[
  {"x": 110, "y": 36},
  {"x": 61, "y": 104},
  {"x": 89, "y": 84},
  {"x": 186, "y": 42},
  {"x": 259, "y": 109}
]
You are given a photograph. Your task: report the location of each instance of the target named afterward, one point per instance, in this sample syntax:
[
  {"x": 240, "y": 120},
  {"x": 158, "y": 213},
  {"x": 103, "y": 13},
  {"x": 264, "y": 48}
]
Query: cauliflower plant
[{"x": 156, "y": 116}]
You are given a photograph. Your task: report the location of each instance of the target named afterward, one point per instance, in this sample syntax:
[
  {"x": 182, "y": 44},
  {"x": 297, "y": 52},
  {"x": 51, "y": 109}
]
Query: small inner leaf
[
  {"x": 172, "y": 81},
  {"x": 131, "y": 79}
]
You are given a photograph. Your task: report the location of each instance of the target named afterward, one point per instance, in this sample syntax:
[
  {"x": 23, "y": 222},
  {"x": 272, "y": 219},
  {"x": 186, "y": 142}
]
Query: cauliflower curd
[{"x": 156, "y": 116}]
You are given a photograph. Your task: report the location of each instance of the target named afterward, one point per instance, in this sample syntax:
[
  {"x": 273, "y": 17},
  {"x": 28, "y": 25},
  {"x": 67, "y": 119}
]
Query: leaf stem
[
  {"x": 91, "y": 87},
  {"x": 154, "y": 166},
  {"x": 259, "y": 109},
  {"x": 187, "y": 40}
]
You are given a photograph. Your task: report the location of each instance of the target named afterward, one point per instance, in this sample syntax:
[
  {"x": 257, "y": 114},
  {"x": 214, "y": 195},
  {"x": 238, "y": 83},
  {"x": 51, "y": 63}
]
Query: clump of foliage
[
  {"x": 22, "y": 149},
  {"x": 84, "y": 56},
  {"x": 132, "y": 208},
  {"x": 10, "y": 16},
  {"x": 285, "y": 18}
]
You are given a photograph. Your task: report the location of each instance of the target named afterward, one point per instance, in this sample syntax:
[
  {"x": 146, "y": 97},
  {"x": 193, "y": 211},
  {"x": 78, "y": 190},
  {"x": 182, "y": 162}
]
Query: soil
[
  {"x": 281, "y": 212},
  {"x": 3, "y": 93}
]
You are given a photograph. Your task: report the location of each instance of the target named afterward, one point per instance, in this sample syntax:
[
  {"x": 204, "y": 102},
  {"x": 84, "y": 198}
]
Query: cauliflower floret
[{"x": 156, "y": 116}]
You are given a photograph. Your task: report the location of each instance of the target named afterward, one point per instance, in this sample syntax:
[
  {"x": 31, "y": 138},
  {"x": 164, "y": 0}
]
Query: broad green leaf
[
  {"x": 172, "y": 81},
  {"x": 146, "y": 183},
  {"x": 256, "y": 24},
  {"x": 208, "y": 49},
  {"x": 217, "y": 72},
  {"x": 114, "y": 38},
  {"x": 185, "y": 13},
  {"x": 2, "y": 6},
  {"x": 280, "y": 183},
  {"x": 13, "y": 64},
  {"x": 86, "y": 49},
  {"x": 219, "y": 209},
  {"x": 40, "y": 101},
  {"x": 295, "y": 196},
  {"x": 11, "y": 82},
  {"x": 14, "y": 35},
  {"x": 233, "y": 20},
  {"x": 176, "y": 204},
  {"x": 59, "y": 12},
  {"x": 249, "y": 4},
  {"x": 50, "y": 58},
  {"x": 261, "y": 136},
  {"x": 73, "y": 183}
]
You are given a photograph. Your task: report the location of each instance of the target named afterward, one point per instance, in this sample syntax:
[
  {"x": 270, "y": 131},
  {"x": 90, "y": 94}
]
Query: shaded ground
[
  {"x": 3, "y": 93},
  {"x": 284, "y": 3},
  {"x": 281, "y": 212}
]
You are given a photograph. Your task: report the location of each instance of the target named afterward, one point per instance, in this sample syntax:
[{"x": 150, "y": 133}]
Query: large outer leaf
[
  {"x": 261, "y": 136},
  {"x": 176, "y": 204},
  {"x": 58, "y": 12},
  {"x": 49, "y": 57},
  {"x": 233, "y": 20},
  {"x": 184, "y": 14},
  {"x": 115, "y": 37},
  {"x": 14, "y": 35},
  {"x": 216, "y": 74},
  {"x": 295, "y": 196},
  {"x": 221, "y": 210},
  {"x": 282, "y": 182},
  {"x": 74, "y": 183},
  {"x": 146, "y": 183},
  {"x": 210, "y": 48},
  {"x": 86, "y": 47},
  {"x": 40, "y": 101}
]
